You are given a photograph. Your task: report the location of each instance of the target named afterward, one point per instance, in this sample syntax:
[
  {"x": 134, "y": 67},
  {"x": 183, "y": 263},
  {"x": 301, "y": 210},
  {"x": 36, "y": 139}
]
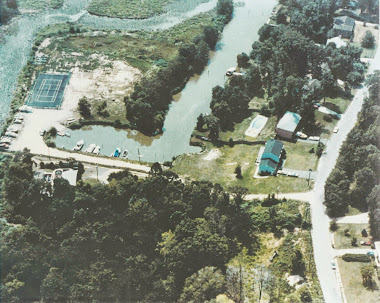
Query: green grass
[
  {"x": 352, "y": 283},
  {"x": 130, "y": 9},
  {"x": 298, "y": 156},
  {"x": 367, "y": 52},
  {"x": 39, "y": 4},
  {"x": 341, "y": 241},
  {"x": 221, "y": 170}
]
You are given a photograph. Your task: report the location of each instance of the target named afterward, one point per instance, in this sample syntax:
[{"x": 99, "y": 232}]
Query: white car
[
  {"x": 314, "y": 138},
  {"x": 293, "y": 175},
  {"x": 336, "y": 129},
  {"x": 301, "y": 135},
  {"x": 333, "y": 265}
]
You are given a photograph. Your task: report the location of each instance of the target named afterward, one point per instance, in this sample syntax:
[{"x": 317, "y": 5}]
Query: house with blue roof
[
  {"x": 271, "y": 159},
  {"x": 287, "y": 126}
]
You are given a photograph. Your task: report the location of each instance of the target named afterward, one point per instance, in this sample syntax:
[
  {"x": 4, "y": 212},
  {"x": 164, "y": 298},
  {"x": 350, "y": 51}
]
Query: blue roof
[{"x": 289, "y": 121}]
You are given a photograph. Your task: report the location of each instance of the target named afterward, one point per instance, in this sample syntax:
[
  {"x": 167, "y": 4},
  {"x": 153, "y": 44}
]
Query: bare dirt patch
[{"x": 212, "y": 155}]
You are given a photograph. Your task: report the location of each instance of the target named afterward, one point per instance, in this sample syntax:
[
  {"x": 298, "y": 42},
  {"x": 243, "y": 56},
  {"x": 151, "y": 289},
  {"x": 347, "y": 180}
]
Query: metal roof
[
  {"x": 289, "y": 121},
  {"x": 273, "y": 147}
]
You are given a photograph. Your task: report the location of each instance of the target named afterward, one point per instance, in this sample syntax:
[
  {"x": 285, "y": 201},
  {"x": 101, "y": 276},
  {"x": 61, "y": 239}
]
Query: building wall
[{"x": 284, "y": 133}]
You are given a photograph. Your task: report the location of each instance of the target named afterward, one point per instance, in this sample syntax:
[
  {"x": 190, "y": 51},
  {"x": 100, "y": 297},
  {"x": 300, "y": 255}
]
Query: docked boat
[
  {"x": 11, "y": 134},
  {"x": 5, "y": 140},
  {"x": 97, "y": 150},
  {"x": 117, "y": 153},
  {"x": 79, "y": 145},
  {"x": 60, "y": 133},
  {"x": 125, "y": 154},
  {"x": 90, "y": 148}
]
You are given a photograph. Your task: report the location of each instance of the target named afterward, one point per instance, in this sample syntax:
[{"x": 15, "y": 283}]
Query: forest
[
  {"x": 133, "y": 240},
  {"x": 355, "y": 179}
]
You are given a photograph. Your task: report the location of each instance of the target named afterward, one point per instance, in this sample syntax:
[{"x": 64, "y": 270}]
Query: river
[{"x": 195, "y": 98}]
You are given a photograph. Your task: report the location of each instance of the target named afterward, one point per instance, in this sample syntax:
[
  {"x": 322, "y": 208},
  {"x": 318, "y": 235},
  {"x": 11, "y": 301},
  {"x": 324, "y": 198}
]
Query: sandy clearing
[{"x": 212, "y": 155}]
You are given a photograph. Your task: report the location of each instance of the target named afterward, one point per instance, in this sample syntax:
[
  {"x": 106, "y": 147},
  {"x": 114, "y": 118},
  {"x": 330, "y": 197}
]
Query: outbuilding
[
  {"x": 287, "y": 126},
  {"x": 344, "y": 26}
]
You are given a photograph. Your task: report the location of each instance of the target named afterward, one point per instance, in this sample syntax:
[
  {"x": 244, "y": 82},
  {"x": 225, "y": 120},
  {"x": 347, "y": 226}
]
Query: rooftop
[
  {"x": 289, "y": 121},
  {"x": 273, "y": 147},
  {"x": 344, "y": 20}
]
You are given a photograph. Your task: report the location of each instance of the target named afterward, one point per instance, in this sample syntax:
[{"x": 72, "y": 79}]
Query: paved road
[{"x": 323, "y": 252}]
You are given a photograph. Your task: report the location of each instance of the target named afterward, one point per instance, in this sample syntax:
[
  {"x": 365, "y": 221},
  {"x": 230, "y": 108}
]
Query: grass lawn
[
  {"x": 341, "y": 241},
  {"x": 221, "y": 170},
  {"x": 298, "y": 156},
  {"x": 352, "y": 283},
  {"x": 39, "y": 4}
]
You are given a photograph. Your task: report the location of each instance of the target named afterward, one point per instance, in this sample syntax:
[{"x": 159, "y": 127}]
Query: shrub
[
  {"x": 327, "y": 118},
  {"x": 356, "y": 258},
  {"x": 333, "y": 225},
  {"x": 364, "y": 233},
  {"x": 368, "y": 40}
]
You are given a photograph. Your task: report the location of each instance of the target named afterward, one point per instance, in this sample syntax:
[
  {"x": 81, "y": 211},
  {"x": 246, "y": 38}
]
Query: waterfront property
[
  {"x": 256, "y": 126},
  {"x": 287, "y": 126},
  {"x": 48, "y": 91},
  {"x": 271, "y": 159}
]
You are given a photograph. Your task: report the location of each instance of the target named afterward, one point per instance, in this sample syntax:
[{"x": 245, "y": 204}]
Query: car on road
[
  {"x": 293, "y": 175},
  {"x": 314, "y": 138},
  {"x": 365, "y": 243},
  {"x": 333, "y": 265},
  {"x": 336, "y": 129}
]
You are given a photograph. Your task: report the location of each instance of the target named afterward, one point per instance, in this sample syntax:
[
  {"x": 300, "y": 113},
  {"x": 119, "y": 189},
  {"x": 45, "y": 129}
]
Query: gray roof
[
  {"x": 274, "y": 147},
  {"x": 289, "y": 121},
  {"x": 344, "y": 20},
  {"x": 344, "y": 27}
]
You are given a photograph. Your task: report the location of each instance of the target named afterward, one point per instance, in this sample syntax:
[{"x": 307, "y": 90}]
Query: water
[
  {"x": 16, "y": 40},
  {"x": 237, "y": 37},
  {"x": 195, "y": 99}
]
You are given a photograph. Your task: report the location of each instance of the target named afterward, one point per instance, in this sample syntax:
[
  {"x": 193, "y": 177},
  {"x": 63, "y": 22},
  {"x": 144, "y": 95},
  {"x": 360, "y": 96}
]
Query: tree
[
  {"x": 354, "y": 241},
  {"x": 243, "y": 60},
  {"x": 368, "y": 40},
  {"x": 84, "y": 108},
  {"x": 200, "y": 122},
  {"x": 367, "y": 272},
  {"x": 203, "y": 286},
  {"x": 336, "y": 193},
  {"x": 156, "y": 169},
  {"x": 225, "y": 8},
  {"x": 373, "y": 201},
  {"x": 211, "y": 36},
  {"x": 54, "y": 287},
  {"x": 238, "y": 172}
]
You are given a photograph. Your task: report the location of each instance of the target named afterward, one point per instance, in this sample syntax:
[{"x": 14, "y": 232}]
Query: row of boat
[{"x": 95, "y": 149}]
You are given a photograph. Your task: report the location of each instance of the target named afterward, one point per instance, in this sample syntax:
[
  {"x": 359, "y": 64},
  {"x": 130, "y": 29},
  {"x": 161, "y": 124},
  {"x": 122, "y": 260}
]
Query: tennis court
[{"x": 48, "y": 90}]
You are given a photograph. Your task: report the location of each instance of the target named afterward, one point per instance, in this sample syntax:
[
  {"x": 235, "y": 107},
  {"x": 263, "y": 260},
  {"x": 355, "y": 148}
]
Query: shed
[
  {"x": 344, "y": 26},
  {"x": 287, "y": 126}
]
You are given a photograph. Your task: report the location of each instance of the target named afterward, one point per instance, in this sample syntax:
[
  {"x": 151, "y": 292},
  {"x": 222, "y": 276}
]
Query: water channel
[{"x": 237, "y": 37}]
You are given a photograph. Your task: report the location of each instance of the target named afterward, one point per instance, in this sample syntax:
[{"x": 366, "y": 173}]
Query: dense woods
[
  {"x": 150, "y": 240},
  {"x": 151, "y": 97},
  {"x": 355, "y": 178},
  {"x": 281, "y": 62}
]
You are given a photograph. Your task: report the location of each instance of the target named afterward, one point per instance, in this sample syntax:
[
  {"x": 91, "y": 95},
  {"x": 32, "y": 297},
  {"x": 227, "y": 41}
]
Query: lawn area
[
  {"x": 39, "y": 4},
  {"x": 355, "y": 230},
  {"x": 221, "y": 170},
  {"x": 352, "y": 283},
  {"x": 360, "y": 31},
  {"x": 298, "y": 156},
  {"x": 129, "y": 9}
]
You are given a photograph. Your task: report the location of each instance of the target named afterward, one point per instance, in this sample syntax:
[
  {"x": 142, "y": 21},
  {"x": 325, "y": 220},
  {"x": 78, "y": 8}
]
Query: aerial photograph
[{"x": 189, "y": 151}]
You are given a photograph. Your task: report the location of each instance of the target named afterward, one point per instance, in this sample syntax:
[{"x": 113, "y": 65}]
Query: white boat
[
  {"x": 97, "y": 150},
  {"x": 79, "y": 145},
  {"x": 11, "y": 134},
  {"x": 90, "y": 148},
  {"x": 17, "y": 121},
  {"x": 67, "y": 135},
  {"x": 59, "y": 133},
  {"x": 125, "y": 154},
  {"x": 5, "y": 140}
]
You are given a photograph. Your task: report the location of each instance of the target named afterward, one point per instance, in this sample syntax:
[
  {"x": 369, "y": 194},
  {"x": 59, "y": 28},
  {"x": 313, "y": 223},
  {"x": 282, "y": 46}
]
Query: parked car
[
  {"x": 293, "y": 175},
  {"x": 281, "y": 172},
  {"x": 371, "y": 253},
  {"x": 333, "y": 265},
  {"x": 336, "y": 129},
  {"x": 317, "y": 104},
  {"x": 314, "y": 138},
  {"x": 301, "y": 135},
  {"x": 365, "y": 243}
]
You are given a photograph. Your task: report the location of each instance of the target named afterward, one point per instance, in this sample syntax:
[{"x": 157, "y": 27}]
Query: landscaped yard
[
  {"x": 360, "y": 31},
  {"x": 353, "y": 285},
  {"x": 221, "y": 170},
  {"x": 355, "y": 230}
]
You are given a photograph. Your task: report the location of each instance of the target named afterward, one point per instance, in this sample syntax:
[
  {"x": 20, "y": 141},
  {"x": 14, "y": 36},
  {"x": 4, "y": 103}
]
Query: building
[
  {"x": 337, "y": 41},
  {"x": 271, "y": 159},
  {"x": 344, "y": 26},
  {"x": 287, "y": 126},
  {"x": 69, "y": 174}
]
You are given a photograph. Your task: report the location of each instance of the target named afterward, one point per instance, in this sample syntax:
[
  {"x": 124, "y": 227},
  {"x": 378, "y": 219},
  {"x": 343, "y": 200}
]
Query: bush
[
  {"x": 356, "y": 258},
  {"x": 333, "y": 225},
  {"x": 364, "y": 233},
  {"x": 368, "y": 40},
  {"x": 327, "y": 118}
]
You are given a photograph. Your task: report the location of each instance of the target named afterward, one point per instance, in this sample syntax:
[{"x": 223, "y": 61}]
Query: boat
[
  {"x": 59, "y": 133},
  {"x": 97, "y": 150},
  {"x": 11, "y": 134},
  {"x": 117, "y": 153},
  {"x": 5, "y": 140},
  {"x": 79, "y": 145},
  {"x": 90, "y": 148},
  {"x": 125, "y": 154},
  {"x": 67, "y": 135}
]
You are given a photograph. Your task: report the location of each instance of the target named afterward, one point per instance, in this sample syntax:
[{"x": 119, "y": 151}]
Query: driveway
[
  {"x": 301, "y": 173},
  {"x": 358, "y": 219}
]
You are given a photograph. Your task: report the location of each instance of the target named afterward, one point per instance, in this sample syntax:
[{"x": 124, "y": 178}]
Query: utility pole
[{"x": 308, "y": 180}]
